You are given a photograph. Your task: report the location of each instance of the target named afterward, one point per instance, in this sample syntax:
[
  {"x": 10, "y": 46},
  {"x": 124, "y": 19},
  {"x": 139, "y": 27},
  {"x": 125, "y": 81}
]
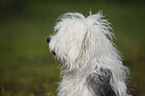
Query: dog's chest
[{"x": 74, "y": 86}]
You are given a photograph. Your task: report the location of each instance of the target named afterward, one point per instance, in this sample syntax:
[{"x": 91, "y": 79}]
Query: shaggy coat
[{"x": 91, "y": 65}]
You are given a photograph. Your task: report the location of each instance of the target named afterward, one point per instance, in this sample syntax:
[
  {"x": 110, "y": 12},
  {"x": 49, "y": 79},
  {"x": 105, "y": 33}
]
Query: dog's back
[{"x": 100, "y": 83}]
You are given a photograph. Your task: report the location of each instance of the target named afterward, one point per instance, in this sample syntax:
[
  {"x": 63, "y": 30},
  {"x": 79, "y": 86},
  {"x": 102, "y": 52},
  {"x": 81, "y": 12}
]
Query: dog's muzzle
[{"x": 48, "y": 40}]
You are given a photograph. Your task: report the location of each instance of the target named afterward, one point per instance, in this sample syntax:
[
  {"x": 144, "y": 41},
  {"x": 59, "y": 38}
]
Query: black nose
[{"x": 48, "y": 40}]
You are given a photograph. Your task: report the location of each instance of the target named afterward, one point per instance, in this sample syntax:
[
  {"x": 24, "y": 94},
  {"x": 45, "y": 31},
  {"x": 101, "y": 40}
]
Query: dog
[{"x": 91, "y": 64}]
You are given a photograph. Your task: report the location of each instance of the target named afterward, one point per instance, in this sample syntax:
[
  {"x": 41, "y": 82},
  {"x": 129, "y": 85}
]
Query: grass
[{"x": 28, "y": 69}]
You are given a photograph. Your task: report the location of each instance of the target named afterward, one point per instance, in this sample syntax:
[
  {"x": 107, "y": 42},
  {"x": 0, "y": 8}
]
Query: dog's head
[{"x": 77, "y": 40}]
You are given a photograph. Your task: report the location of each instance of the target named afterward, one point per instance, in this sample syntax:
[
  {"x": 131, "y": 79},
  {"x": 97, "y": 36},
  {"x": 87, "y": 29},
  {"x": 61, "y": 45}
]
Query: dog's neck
[{"x": 74, "y": 83}]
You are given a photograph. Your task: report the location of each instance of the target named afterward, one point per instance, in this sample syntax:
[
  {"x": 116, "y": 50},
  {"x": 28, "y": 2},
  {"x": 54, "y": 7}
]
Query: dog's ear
[
  {"x": 75, "y": 39},
  {"x": 71, "y": 31}
]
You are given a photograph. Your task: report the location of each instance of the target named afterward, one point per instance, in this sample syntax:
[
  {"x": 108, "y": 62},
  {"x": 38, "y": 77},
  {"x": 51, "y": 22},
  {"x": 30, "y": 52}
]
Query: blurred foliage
[{"x": 26, "y": 66}]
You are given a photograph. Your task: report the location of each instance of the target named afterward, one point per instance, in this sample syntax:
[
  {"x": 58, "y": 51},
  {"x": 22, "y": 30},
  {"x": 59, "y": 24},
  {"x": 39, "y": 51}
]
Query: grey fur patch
[{"x": 100, "y": 83}]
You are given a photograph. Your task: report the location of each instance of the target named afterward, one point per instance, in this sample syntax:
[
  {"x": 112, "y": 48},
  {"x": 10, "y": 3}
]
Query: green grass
[{"x": 28, "y": 69}]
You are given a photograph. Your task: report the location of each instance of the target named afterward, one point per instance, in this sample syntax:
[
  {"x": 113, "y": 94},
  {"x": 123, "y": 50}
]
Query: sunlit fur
[{"x": 85, "y": 46}]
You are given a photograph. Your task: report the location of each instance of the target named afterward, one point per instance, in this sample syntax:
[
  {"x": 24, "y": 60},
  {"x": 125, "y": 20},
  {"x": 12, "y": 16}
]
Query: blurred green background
[{"x": 26, "y": 66}]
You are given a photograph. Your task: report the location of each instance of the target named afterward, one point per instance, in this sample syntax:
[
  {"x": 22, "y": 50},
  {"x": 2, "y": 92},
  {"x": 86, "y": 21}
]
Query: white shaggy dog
[{"x": 92, "y": 65}]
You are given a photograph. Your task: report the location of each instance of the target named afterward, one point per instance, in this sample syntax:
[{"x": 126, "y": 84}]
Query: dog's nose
[{"x": 48, "y": 40}]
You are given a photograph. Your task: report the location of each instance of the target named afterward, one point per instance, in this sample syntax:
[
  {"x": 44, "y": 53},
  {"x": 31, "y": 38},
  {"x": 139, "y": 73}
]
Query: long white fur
[{"x": 84, "y": 46}]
